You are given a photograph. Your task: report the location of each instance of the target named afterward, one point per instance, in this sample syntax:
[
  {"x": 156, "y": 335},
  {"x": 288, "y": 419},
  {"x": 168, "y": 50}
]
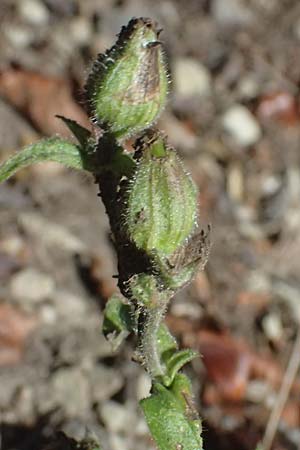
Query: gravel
[
  {"x": 30, "y": 286},
  {"x": 241, "y": 125},
  {"x": 191, "y": 78}
]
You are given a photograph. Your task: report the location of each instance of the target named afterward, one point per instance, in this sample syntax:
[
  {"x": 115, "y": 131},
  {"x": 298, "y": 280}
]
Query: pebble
[
  {"x": 191, "y": 78},
  {"x": 81, "y": 30},
  {"x": 69, "y": 307},
  {"x": 18, "y": 36},
  {"x": 241, "y": 125},
  {"x": 258, "y": 282},
  {"x": 232, "y": 12},
  {"x": 83, "y": 343},
  {"x": 30, "y": 287},
  {"x": 105, "y": 383},
  {"x": 117, "y": 442},
  {"x": 257, "y": 391},
  {"x": 143, "y": 386},
  {"x": 184, "y": 309},
  {"x": 270, "y": 184},
  {"x": 13, "y": 245},
  {"x": 235, "y": 182},
  {"x": 48, "y": 315},
  {"x": 116, "y": 417},
  {"x": 141, "y": 428},
  {"x": 9, "y": 389},
  {"x": 248, "y": 87},
  {"x": 24, "y": 402},
  {"x": 33, "y": 12},
  {"x": 69, "y": 389},
  {"x": 50, "y": 234},
  {"x": 272, "y": 327}
]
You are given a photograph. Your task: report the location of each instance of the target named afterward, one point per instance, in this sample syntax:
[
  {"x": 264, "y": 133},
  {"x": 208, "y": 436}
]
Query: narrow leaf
[
  {"x": 176, "y": 362},
  {"x": 118, "y": 321},
  {"x": 52, "y": 149},
  {"x": 81, "y": 133}
]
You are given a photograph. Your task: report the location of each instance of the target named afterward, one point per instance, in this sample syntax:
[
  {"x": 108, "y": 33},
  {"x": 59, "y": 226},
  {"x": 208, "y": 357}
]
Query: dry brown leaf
[
  {"x": 227, "y": 362},
  {"x": 230, "y": 363},
  {"x": 105, "y": 285},
  {"x": 15, "y": 327},
  {"x": 279, "y": 106},
  {"x": 291, "y": 414},
  {"x": 41, "y": 98},
  {"x": 255, "y": 300}
]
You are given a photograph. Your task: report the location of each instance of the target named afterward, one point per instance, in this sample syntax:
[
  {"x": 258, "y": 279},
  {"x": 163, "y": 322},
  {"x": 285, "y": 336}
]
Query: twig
[{"x": 288, "y": 379}]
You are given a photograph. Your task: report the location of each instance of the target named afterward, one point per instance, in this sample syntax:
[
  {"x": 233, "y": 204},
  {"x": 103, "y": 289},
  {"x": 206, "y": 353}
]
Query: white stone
[
  {"x": 31, "y": 286},
  {"x": 48, "y": 315},
  {"x": 65, "y": 302},
  {"x": 241, "y": 125},
  {"x": 116, "y": 417},
  {"x": 117, "y": 442},
  {"x": 70, "y": 390},
  {"x": 81, "y": 30},
  {"x": 248, "y": 87},
  {"x": 191, "y": 78},
  {"x": 232, "y": 12},
  {"x": 104, "y": 382},
  {"x": 272, "y": 327},
  {"x": 184, "y": 309},
  {"x": 20, "y": 37},
  {"x": 50, "y": 234},
  {"x": 257, "y": 391},
  {"x": 143, "y": 386},
  {"x": 258, "y": 281},
  {"x": 33, "y": 12},
  {"x": 270, "y": 184}
]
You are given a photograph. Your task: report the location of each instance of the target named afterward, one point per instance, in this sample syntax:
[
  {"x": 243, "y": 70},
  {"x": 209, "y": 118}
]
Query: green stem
[
  {"x": 149, "y": 344},
  {"x": 52, "y": 149}
]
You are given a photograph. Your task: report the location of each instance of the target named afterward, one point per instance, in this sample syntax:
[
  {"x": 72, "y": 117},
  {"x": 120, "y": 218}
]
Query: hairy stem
[{"x": 149, "y": 343}]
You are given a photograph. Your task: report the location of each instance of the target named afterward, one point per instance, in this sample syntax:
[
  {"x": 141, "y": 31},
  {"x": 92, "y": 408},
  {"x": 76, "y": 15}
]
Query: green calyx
[
  {"x": 161, "y": 200},
  {"x": 127, "y": 86}
]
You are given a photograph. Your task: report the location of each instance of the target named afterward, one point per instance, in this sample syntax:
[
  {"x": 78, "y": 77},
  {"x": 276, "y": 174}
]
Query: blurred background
[{"x": 234, "y": 117}]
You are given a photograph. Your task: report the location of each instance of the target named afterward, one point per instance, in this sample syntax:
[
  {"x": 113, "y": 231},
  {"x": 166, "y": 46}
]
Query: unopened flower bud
[
  {"x": 127, "y": 86},
  {"x": 162, "y": 199}
]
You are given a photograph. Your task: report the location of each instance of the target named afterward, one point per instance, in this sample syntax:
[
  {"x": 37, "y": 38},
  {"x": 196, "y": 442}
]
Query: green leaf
[
  {"x": 171, "y": 416},
  {"x": 175, "y": 362},
  {"x": 166, "y": 342},
  {"x": 118, "y": 321},
  {"x": 82, "y": 134},
  {"x": 52, "y": 149}
]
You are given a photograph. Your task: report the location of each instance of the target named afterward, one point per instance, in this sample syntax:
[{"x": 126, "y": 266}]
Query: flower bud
[
  {"x": 127, "y": 87},
  {"x": 162, "y": 199}
]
